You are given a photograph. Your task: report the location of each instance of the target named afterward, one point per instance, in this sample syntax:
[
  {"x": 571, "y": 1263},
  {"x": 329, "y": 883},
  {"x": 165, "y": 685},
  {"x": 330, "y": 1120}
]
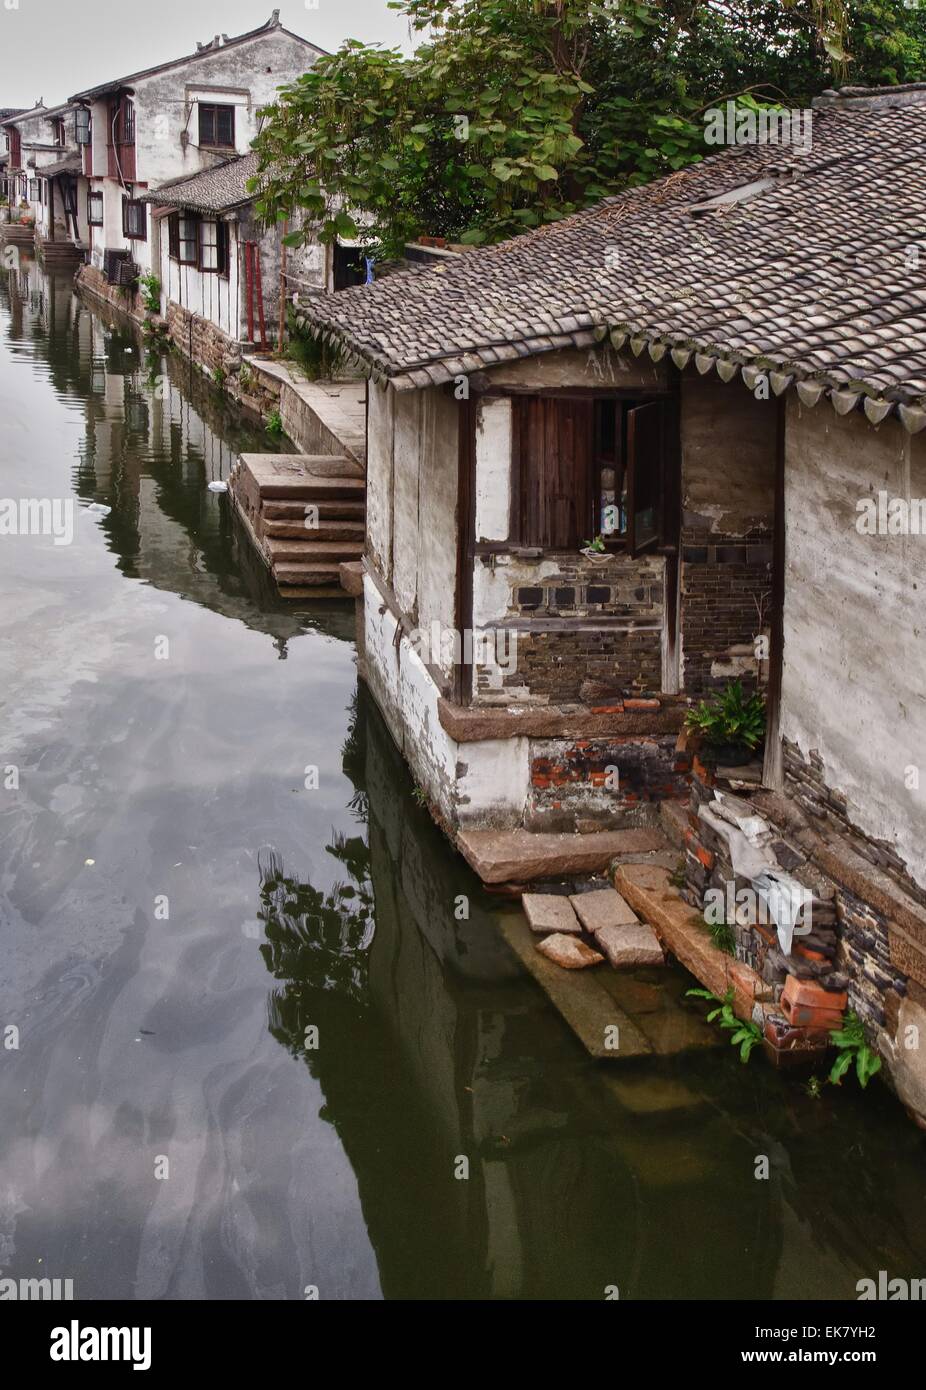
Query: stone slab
[
  {"x": 501, "y": 856},
  {"x": 550, "y": 912},
  {"x": 682, "y": 931},
  {"x": 602, "y": 908},
  {"x": 578, "y": 996},
  {"x": 568, "y": 952},
  {"x": 628, "y": 946},
  {"x": 471, "y": 724}
]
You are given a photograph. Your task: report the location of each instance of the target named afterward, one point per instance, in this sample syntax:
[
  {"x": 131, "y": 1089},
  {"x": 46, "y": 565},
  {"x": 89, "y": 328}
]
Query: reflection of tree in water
[{"x": 318, "y": 942}]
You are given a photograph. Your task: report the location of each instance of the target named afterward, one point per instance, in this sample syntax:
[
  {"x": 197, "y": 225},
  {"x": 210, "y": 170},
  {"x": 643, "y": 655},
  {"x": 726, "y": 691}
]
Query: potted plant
[
  {"x": 730, "y": 724},
  {"x": 595, "y": 550}
]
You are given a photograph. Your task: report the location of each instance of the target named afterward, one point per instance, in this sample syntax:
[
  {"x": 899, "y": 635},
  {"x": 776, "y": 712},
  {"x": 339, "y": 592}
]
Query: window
[
  {"x": 213, "y": 247},
  {"x": 217, "y": 125},
  {"x": 58, "y": 132},
  {"x": 95, "y": 209},
  {"x": 183, "y": 242},
  {"x": 82, "y": 125},
  {"x": 34, "y": 193},
  {"x": 588, "y": 467},
  {"x": 134, "y": 219},
  {"x": 128, "y": 121}
]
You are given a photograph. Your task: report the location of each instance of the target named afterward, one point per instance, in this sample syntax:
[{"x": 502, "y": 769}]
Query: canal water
[{"x": 247, "y": 1044}]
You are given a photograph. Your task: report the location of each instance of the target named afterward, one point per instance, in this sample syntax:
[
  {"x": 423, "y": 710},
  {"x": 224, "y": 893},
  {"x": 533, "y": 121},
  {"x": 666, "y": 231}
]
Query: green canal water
[{"x": 180, "y": 912}]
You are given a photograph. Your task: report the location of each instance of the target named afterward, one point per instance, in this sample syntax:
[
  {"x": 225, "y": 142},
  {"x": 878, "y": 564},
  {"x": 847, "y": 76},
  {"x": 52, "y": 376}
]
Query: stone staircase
[{"x": 306, "y": 516}]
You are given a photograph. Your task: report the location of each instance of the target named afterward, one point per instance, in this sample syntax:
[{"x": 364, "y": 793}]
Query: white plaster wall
[
  {"x": 406, "y": 462},
  {"x": 493, "y": 469},
  {"x": 380, "y": 411},
  {"x": 212, "y": 297},
  {"x": 438, "y": 485},
  {"x": 471, "y": 784},
  {"x": 854, "y": 683}
]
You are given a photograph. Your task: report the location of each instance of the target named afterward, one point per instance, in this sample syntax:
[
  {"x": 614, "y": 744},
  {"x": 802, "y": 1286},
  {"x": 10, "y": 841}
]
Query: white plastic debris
[
  {"x": 99, "y": 508},
  {"x": 217, "y": 486}
]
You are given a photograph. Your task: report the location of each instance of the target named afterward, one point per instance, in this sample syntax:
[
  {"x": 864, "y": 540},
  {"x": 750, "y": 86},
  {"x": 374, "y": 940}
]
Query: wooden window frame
[
  {"x": 82, "y": 126},
  {"x": 93, "y": 194},
  {"x": 34, "y": 193},
  {"x": 630, "y": 540},
  {"x": 220, "y": 246},
  {"x": 209, "y": 114},
  {"x": 127, "y": 204}
]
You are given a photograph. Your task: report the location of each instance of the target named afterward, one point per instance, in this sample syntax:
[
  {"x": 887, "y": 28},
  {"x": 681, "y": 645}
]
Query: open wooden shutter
[
  {"x": 644, "y": 473},
  {"x": 173, "y": 235},
  {"x": 222, "y": 247},
  {"x": 555, "y": 445}
]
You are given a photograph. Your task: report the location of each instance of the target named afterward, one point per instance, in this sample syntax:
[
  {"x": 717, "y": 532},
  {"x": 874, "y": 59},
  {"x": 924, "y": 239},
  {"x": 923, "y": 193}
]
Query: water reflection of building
[
  {"x": 432, "y": 1044},
  {"x": 155, "y": 434}
]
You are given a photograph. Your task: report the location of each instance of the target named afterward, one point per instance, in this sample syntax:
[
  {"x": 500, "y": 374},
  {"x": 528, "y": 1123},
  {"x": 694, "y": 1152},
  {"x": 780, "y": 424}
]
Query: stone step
[
  {"x": 682, "y": 932},
  {"x": 307, "y": 552},
  {"x": 520, "y": 856},
  {"x": 304, "y": 477},
  {"x": 327, "y": 511},
  {"x": 550, "y": 912},
  {"x": 324, "y": 531},
  {"x": 307, "y": 576},
  {"x": 579, "y": 996}
]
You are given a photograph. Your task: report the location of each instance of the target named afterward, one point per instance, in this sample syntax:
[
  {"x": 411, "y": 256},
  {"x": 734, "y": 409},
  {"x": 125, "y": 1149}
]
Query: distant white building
[
  {"x": 219, "y": 269},
  {"x": 169, "y": 122},
  {"x": 43, "y": 175}
]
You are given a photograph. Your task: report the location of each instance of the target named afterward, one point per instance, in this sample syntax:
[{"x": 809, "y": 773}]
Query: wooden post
[
  {"x": 249, "y": 288},
  {"x": 259, "y": 279},
  {"x": 283, "y": 250}
]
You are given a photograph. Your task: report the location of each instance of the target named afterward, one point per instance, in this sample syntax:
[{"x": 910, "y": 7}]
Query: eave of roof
[
  {"x": 869, "y": 346},
  {"x": 207, "y": 51}
]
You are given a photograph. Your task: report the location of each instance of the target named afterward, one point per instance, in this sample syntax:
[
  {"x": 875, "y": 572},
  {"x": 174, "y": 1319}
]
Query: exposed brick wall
[
  {"x": 554, "y": 666},
  {"x": 725, "y": 580},
  {"x": 584, "y": 621},
  {"x": 576, "y": 785},
  {"x": 95, "y": 283},
  {"x": 201, "y": 340},
  {"x": 806, "y": 782}
]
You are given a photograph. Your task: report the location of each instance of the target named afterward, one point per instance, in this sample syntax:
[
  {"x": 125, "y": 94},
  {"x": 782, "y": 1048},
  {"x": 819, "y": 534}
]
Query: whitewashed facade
[{"x": 174, "y": 121}]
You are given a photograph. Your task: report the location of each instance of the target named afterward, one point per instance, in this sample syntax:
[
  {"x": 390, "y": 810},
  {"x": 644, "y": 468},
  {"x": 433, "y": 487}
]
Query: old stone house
[
  {"x": 722, "y": 374},
  {"x": 171, "y": 122}
]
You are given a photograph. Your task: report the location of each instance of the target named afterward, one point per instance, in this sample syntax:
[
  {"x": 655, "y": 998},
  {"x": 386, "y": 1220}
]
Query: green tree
[{"x": 511, "y": 113}]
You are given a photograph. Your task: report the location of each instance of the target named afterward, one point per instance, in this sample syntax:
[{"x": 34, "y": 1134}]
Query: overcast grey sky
[{"x": 51, "y": 48}]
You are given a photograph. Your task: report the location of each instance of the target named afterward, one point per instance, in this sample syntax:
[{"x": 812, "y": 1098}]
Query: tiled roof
[
  {"x": 212, "y": 190},
  {"x": 204, "y": 50},
  {"x": 818, "y": 278},
  {"x": 71, "y": 164}
]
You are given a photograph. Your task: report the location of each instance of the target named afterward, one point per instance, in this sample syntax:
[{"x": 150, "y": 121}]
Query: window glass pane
[{"x": 209, "y": 244}]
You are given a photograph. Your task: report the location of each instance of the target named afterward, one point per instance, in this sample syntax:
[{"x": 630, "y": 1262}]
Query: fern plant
[
  {"x": 730, "y": 717},
  {"x": 853, "y": 1048},
  {"x": 745, "y": 1036}
]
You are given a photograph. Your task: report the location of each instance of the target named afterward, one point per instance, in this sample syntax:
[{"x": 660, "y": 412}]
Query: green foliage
[
  {"x": 745, "y": 1036},
  {"x": 512, "y": 113},
  {"x": 723, "y": 938},
  {"x": 597, "y": 545},
  {"x": 319, "y": 360},
  {"x": 419, "y": 796},
  {"x": 730, "y": 717},
  {"x": 274, "y": 423},
  {"x": 218, "y": 376},
  {"x": 853, "y": 1049},
  {"x": 151, "y": 293}
]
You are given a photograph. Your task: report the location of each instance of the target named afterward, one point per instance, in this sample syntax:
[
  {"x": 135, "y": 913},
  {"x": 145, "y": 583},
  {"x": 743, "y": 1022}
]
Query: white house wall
[
  {"x": 211, "y": 297},
  {"x": 244, "y": 75},
  {"x": 472, "y": 784},
  {"x": 854, "y": 685}
]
